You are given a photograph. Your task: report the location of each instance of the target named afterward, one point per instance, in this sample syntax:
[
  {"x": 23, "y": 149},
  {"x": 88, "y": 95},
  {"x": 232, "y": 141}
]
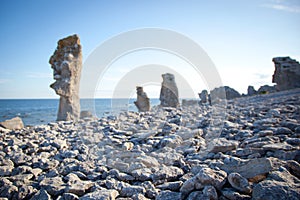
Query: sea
[{"x": 42, "y": 111}]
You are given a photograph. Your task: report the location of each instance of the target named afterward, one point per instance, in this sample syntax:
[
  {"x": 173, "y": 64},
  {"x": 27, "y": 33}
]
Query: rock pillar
[
  {"x": 143, "y": 102},
  {"x": 286, "y": 74},
  {"x": 169, "y": 92},
  {"x": 66, "y": 63},
  {"x": 204, "y": 97}
]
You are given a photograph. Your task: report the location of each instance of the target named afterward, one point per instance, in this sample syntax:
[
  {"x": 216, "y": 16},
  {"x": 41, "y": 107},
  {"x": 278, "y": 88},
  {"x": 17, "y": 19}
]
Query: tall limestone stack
[
  {"x": 66, "y": 63},
  {"x": 286, "y": 74},
  {"x": 169, "y": 91},
  {"x": 143, "y": 102}
]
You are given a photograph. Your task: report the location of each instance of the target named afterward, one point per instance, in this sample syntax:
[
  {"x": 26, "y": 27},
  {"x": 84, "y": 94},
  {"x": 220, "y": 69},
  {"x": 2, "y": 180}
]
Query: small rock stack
[{"x": 143, "y": 102}]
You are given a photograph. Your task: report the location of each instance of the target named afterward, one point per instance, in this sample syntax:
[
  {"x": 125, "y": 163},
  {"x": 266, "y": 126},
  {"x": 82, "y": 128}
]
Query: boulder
[
  {"x": 239, "y": 183},
  {"x": 248, "y": 168},
  {"x": 66, "y": 63},
  {"x": 143, "y": 102},
  {"x": 286, "y": 74},
  {"x": 222, "y": 145},
  {"x": 13, "y": 124},
  {"x": 169, "y": 91}
]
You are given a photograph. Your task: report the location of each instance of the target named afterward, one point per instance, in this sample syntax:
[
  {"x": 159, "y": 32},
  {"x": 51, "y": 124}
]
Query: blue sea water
[{"x": 42, "y": 111}]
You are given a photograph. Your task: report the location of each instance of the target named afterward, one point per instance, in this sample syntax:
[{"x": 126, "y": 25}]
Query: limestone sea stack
[
  {"x": 143, "y": 102},
  {"x": 286, "y": 74},
  {"x": 169, "y": 91},
  {"x": 66, "y": 63}
]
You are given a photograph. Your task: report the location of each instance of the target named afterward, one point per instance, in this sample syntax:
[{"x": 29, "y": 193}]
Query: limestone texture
[
  {"x": 142, "y": 102},
  {"x": 12, "y": 124},
  {"x": 66, "y": 63},
  {"x": 169, "y": 96},
  {"x": 286, "y": 74}
]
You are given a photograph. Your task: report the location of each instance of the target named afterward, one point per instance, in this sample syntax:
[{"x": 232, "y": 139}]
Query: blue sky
[{"x": 240, "y": 36}]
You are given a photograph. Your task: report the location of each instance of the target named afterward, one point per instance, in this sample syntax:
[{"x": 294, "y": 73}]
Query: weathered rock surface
[
  {"x": 169, "y": 96},
  {"x": 66, "y": 63},
  {"x": 13, "y": 124},
  {"x": 251, "y": 91},
  {"x": 286, "y": 74},
  {"x": 143, "y": 102},
  {"x": 166, "y": 153},
  {"x": 224, "y": 92},
  {"x": 247, "y": 168},
  {"x": 266, "y": 89},
  {"x": 204, "y": 98}
]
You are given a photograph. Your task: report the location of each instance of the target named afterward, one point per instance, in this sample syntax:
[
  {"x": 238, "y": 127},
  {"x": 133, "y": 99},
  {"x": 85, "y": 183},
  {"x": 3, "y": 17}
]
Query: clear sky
[{"x": 240, "y": 36}]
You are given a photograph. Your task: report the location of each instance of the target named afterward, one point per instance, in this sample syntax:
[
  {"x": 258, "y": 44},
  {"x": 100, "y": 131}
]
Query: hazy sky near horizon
[{"x": 241, "y": 37}]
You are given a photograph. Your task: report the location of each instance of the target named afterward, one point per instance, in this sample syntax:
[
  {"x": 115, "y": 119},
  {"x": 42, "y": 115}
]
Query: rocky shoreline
[{"x": 168, "y": 153}]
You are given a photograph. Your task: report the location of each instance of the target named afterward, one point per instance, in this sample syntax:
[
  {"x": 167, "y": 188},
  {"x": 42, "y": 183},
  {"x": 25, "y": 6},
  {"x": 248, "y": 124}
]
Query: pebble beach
[{"x": 250, "y": 149}]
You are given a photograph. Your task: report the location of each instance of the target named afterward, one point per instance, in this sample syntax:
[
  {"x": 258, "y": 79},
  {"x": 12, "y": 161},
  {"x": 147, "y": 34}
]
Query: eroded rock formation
[
  {"x": 204, "y": 98},
  {"x": 66, "y": 63},
  {"x": 143, "y": 102},
  {"x": 169, "y": 91},
  {"x": 286, "y": 74},
  {"x": 224, "y": 92},
  {"x": 266, "y": 89},
  {"x": 251, "y": 91}
]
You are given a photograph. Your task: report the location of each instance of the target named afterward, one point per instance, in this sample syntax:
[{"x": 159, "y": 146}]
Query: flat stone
[
  {"x": 167, "y": 173},
  {"x": 168, "y": 195},
  {"x": 13, "y": 124},
  {"x": 283, "y": 131},
  {"x": 173, "y": 186},
  {"x": 270, "y": 190},
  {"x": 54, "y": 186},
  {"x": 130, "y": 190},
  {"x": 234, "y": 195},
  {"x": 223, "y": 145},
  {"x": 248, "y": 168},
  {"x": 142, "y": 174},
  {"x": 79, "y": 187},
  {"x": 278, "y": 146},
  {"x": 101, "y": 195}
]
